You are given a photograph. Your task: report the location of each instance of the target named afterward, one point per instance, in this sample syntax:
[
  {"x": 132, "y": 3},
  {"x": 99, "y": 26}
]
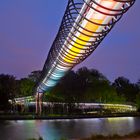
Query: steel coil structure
[{"x": 84, "y": 25}]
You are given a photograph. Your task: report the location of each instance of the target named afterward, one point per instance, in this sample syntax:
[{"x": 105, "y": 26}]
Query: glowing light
[{"x": 84, "y": 26}]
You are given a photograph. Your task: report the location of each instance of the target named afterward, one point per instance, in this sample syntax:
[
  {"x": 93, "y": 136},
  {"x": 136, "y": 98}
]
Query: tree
[
  {"x": 138, "y": 84},
  {"x": 96, "y": 87},
  {"x": 125, "y": 88},
  {"x": 85, "y": 85},
  {"x": 8, "y": 89},
  {"x": 100, "y": 90},
  {"x": 26, "y": 87},
  {"x": 138, "y": 101},
  {"x": 83, "y": 77},
  {"x": 70, "y": 87},
  {"x": 91, "y": 84},
  {"x": 35, "y": 75}
]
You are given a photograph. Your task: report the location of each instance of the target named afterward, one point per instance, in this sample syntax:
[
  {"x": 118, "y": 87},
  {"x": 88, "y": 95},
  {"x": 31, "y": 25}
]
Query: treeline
[
  {"x": 11, "y": 88},
  {"x": 83, "y": 85},
  {"x": 89, "y": 85}
]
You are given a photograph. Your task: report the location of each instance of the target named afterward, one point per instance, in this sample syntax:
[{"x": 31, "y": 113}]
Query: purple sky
[{"x": 28, "y": 28}]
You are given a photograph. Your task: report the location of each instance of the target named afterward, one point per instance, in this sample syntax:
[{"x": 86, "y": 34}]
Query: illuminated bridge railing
[
  {"x": 90, "y": 107},
  {"x": 23, "y": 99},
  {"x": 84, "y": 25}
]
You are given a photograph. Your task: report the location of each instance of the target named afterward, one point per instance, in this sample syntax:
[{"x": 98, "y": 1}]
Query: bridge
[
  {"x": 84, "y": 25},
  {"x": 93, "y": 107}
]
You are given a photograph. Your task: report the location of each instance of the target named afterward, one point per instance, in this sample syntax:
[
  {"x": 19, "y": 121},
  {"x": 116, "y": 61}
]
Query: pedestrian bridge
[
  {"x": 30, "y": 101},
  {"x": 84, "y": 25}
]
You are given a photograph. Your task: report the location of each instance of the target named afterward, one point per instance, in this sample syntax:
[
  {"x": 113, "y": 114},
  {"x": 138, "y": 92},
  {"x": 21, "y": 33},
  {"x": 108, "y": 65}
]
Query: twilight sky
[{"x": 28, "y": 28}]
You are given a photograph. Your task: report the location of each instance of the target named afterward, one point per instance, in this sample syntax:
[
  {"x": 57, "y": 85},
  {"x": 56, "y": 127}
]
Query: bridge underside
[{"x": 84, "y": 25}]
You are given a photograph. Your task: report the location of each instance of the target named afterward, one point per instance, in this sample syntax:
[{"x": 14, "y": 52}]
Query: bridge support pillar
[{"x": 39, "y": 97}]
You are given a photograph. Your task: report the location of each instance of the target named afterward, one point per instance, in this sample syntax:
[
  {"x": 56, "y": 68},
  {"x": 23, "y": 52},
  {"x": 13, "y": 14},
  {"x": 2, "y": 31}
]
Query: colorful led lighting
[{"x": 84, "y": 26}]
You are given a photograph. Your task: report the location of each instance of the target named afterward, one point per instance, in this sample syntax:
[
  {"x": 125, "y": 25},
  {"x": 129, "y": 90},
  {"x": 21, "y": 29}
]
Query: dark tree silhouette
[
  {"x": 34, "y": 76},
  {"x": 85, "y": 85},
  {"x": 26, "y": 87},
  {"x": 8, "y": 89},
  {"x": 125, "y": 88},
  {"x": 138, "y": 84}
]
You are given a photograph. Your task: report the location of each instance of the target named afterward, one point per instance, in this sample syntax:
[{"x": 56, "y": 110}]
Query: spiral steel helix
[{"x": 84, "y": 25}]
